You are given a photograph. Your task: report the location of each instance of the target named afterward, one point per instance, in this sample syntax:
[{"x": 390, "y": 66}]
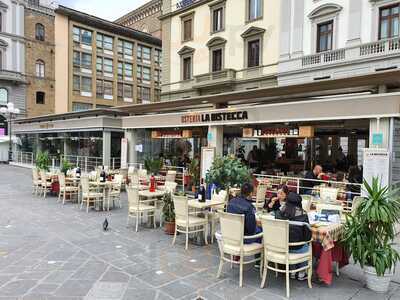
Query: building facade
[
  {"x": 12, "y": 56},
  {"x": 39, "y": 59},
  {"x": 219, "y": 46},
  {"x": 108, "y": 64},
  {"x": 145, "y": 18}
]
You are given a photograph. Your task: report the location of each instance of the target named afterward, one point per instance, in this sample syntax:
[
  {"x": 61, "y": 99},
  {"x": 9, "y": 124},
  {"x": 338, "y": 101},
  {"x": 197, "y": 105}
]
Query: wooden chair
[
  {"x": 213, "y": 215},
  {"x": 36, "y": 182},
  {"x": 45, "y": 183},
  {"x": 89, "y": 196},
  {"x": 171, "y": 176},
  {"x": 114, "y": 194},
  {"x": 232, "y": 244},
  {"x": 260, "y": 196},
  {"x": 185, "y": 222},
  {"x": 66, "y": 189},
  {"x": 356, "y": 203},
  {"x": 137, "y": 207},
  {"x": 276, "y": 251}
]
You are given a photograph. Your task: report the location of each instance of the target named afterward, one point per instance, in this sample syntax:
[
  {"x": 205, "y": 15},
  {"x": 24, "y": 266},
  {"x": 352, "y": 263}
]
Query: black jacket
[{"x": 242, "y": 206}]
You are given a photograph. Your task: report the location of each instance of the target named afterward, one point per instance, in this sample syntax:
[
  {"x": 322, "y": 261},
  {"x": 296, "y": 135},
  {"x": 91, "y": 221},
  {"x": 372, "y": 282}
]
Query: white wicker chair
[
  {"x": 66, "y": 189},
  {"x": 36, "y": 182},
  {"x": 139, "y": 207},
  {"x": 45, "y": 183},
  {"x": 88, "y": 195}
]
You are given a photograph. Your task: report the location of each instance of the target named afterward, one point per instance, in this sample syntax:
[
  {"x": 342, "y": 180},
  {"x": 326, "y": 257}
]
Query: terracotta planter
[
  {"x": 169, "y": 228},
  {"x": 193, "y": 189}
]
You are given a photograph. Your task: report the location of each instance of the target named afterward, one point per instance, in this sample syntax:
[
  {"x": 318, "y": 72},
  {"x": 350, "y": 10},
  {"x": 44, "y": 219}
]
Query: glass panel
[
  {"x": 99, "y": 40},
  {"x": 87, "y": 60},
  {"x": 99, "y": 64},
  {"x": 77, "y": 83},
  {"x": 108, "y": 88},
  {"x": 384, "y": 29},
  {"x": 120, "y": 91},
  {"x": 108, "y": 65},
  {"x": 99, "y": 88},
  {"x": 120, "y": 46},
  {"x": 128, "y": 91},
  {"x": 86, "y": 84},
  {"x": 385, "y": 12},
  {"x": 77, "y": 58},
  {"x": 86, "y": 37},
  {"x": 146, "y": 74},
  {"x": 108, "y": 43},
  {"x": 128, "y": 70},
  {"x": 395, "y": 27}
]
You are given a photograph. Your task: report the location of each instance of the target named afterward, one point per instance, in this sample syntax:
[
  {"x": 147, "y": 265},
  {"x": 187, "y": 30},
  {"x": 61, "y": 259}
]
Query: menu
[{"x": 376, "y": 164}]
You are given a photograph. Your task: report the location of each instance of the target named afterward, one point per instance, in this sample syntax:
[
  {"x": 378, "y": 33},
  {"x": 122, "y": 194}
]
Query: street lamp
[{"x": 10, "y": 113}]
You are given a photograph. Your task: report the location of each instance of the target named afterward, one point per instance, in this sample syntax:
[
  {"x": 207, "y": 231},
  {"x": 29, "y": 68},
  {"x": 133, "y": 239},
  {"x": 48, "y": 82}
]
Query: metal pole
[{"x": 10, "y": 140}]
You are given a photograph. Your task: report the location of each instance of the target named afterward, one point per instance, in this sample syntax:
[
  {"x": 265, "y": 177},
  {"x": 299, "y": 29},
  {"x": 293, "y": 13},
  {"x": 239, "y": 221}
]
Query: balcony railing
[
  {"x": 374, "y": 49},
  {"x": 224, "y": 76},
  {"x": 12, "y": 75}
]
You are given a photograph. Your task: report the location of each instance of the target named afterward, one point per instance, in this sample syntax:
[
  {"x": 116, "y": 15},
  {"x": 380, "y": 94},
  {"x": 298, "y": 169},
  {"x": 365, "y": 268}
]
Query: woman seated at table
[
  {"x": 292, "y": 211},
  {"x": 275, "y": 203}
]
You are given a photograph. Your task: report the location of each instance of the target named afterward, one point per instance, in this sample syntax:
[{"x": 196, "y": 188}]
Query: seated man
[{"x": 242, "y": 205}]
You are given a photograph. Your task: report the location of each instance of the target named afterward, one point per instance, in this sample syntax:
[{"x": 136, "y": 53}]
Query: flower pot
[
  {"x": 379, "y": 284},
  {"x": 169, "y": 228}
]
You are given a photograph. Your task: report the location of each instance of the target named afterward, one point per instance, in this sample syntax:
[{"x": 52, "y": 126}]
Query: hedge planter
[
  {"x": 379, "y": 284},
  {"x": 169, "y": 228}
]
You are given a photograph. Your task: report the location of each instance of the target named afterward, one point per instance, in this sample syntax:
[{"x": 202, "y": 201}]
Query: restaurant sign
[
  {"x": 215, "y": 117},
  {"x": 282, "y": 132}
]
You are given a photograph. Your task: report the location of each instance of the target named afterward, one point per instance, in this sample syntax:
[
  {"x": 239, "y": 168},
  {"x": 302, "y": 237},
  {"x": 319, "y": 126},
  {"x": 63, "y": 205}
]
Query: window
[
  {"x": 254, "y": 9},
  {"x": 144, "y": 54},
  {"x": 187, "y": 68},
  {"x": 157, "y": 77},
  {"x": 125, "y": 49},
  {"x": 324, "y": 36},
  {"x": 3, "y": 96},
  {"x": 187, "y": 25},
  {"x": 125, "y": 71},
  {"x": 389, "y": 22},
  {"x": 217, "y": 19},
  {"x": 143, "y": 74},
  {"x": 82, "y": 60},
  {"x": 40, "y": 68},
  {"x": 253, "y": 54},
  {"x": 125, "y": 92},
  {"x": 104, "y": 66},
  {"x": 76, "y": 83},
  {"x": 39, "y": 32},
  {"x": 86, "y": 84},
  {"x": 40, "y": 97},
  {"x": 158, "y": 57},
  {"x": 157, "y": 95},
  {"x": 104, "y": 89},
  {"x": 216, "y": 60},
  {"x": 82, "y": 36},
  {"x": 77, "y": 106},
  {"x": 104, "y": 42},
  {"x": 128, "y": 70},
  {"x": 143, "y": 94}
]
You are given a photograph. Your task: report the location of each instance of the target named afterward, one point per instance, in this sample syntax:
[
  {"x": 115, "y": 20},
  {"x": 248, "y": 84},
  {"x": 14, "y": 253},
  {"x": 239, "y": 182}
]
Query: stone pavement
[{"x": 50, "y": 251}]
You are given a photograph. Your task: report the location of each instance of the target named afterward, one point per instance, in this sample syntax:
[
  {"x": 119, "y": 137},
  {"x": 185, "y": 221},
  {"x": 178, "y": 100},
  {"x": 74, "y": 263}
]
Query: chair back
[
  {"x": 181, "y": 208},
  {"x": 133, "y": 197},
  {"x": 232, "y": 229},
  {"x": 171, "y": 176},
  {"x": 131, "y": 170},
  {"x": 328, "y": 194},
  {"x": 221, "y": 196},
  {"x": 170, "y": 186},
  {"x": 43, "y": 177},
  {"x": 142, "y": 173},
  {"x": 61, "y": 179},
  {"x": 135, "y": 179},
  {"x": 85, "y": 184},
  {"x": 306, "y": 201},
  {"x": 275, "y": 235},
  {"x": 260, "y": 195},
  {"x": 118, "y": 178},
  {"x": 330, "y": 207},
  {"x": 356, "y": 203},
  {"x": 35, "y": 175}
]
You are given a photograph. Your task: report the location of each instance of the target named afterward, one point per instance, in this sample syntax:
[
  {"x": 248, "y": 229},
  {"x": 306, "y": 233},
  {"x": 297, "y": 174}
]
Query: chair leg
[
  {"x": 187, "y": 239},
  {"x": 337, "y": 269},
  {"x": 287, "y": 282},
  {"x": 173, "y": 241},
  {"x": 231, "y": 261},
  {"x": 64, "y": 197},
  {"x": 310, "y": 270},
  {"x": 127, "y": 221},
  {"x": 59, "y": 196},
  {"x": 87, "y": 205},
  {"x": 205, "y": 234},
  {"x": 261, "y": 264},
  {"x": 137, "y": 221},
  {"x": 265, "y": 272},
  {"x": 241, "y": 272},
  {"x": 154, "y": 219},
  {"x": 82, "y": 203},
  {"x": 221, "y": 264}
]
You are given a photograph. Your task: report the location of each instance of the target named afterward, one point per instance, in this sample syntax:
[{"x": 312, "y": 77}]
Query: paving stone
[
  {"x": 140, "y": 294},
  {"x": 178, "y": 289},
  {"x": 45, "y": 288},
  {"x": 106, "y": 291},
  {"x": 74, "y": 288},
  {"x": 17, "y": 287},
  {"x": 115, "y": 276}
]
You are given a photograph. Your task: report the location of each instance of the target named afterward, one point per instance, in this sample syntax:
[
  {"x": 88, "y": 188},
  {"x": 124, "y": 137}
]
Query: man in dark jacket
[
  {"x": 242, "y": 205},
  {"x": 309, "y": 183}
]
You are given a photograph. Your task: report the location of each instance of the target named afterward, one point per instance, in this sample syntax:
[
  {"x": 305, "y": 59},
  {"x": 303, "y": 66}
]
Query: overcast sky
[{"x": 106, "y": 9}]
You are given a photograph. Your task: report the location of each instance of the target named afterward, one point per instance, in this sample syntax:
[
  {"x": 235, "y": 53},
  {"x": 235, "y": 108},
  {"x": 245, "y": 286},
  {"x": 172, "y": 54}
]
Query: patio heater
[{"x": 10, "y": 113}]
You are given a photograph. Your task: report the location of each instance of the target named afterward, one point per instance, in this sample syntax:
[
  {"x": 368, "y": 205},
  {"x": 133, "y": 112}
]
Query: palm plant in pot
[
  {"x": 370, "y": 231},
  {"x": 169, "y": 214}
]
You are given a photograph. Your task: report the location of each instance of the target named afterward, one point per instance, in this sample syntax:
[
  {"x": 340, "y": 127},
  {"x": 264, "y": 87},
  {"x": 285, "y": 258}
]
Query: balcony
[
  {"x": 357, "y": 60},
  {"x": 12, "y": 76},
  {"x": 224, "y": 77}
]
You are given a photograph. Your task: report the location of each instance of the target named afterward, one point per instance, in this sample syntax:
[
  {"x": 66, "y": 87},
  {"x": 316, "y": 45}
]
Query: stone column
[
  {"x": 285, "y": 29},
  {"x": 131, "y": 135},
  {"x": 298, "y": 23},
  {"x": 215, "y": 138},
  {"x": 106, "y": 148}
]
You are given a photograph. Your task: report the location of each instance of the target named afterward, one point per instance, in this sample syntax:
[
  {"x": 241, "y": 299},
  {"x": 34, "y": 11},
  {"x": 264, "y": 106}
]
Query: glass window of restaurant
[
  {"x": 292, "y": 148},
  {"x": 177, "y": 146}
]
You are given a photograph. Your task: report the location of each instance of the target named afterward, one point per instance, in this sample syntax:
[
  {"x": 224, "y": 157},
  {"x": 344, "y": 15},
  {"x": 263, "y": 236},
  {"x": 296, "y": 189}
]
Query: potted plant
[
  {"x": 227, "y": 172},
  {"x": 65, "y": 166},
  {"x": 369, "y": 234},
  {"x": 169, "y": 214},
  {"x": 194, "y": 172},
  {"x": 43, "y": 161},
  {"x": 153, "y": 165}
]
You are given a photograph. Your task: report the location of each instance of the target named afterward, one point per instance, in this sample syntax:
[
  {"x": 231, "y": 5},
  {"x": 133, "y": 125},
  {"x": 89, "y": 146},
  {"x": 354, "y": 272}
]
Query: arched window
[
  {"x": 39, "y": 32},
  {"x": 40, "y": 68},
  {"x": 40, "y": 97}
]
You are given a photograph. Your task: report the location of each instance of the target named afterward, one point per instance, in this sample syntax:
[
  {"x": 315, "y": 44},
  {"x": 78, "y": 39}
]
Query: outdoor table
[
  {"x": 148, "y": 194},
  {"x": 328, "y": 250}
]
